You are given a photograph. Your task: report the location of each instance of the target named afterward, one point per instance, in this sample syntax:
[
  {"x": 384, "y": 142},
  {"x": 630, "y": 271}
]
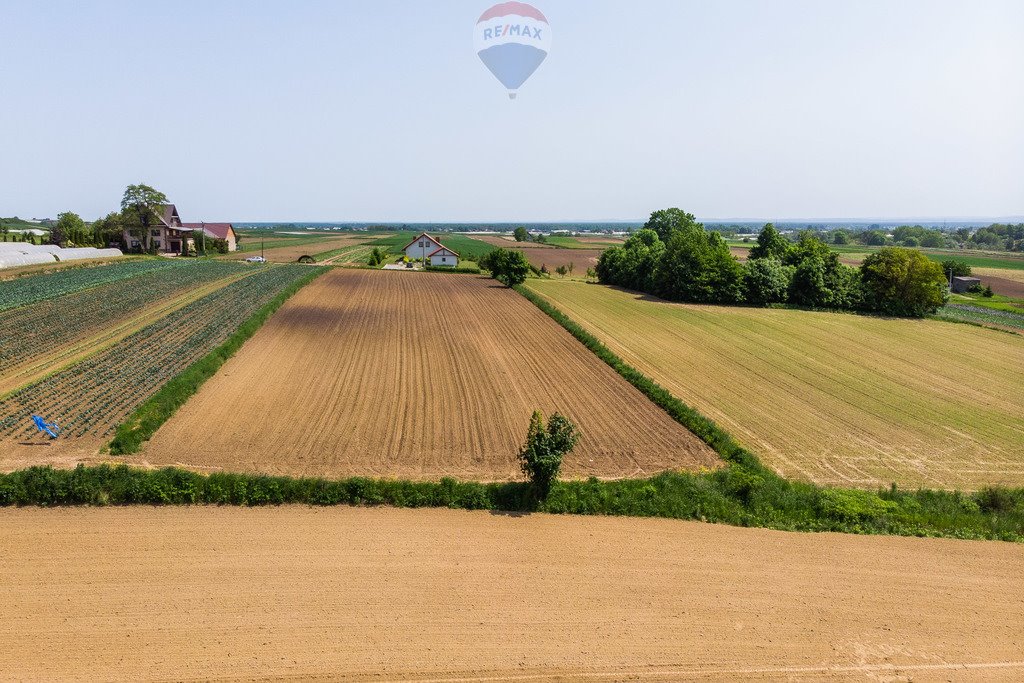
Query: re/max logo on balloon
[
  {"x": 512, "y": 39},
  {"x": 512, "y": 30}
]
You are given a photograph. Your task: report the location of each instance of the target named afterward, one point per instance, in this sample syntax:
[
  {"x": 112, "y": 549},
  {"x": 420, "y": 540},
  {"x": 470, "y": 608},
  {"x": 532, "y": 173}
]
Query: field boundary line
[
  {"x": 83, "y": 349},
  {"x": 143, "y": 422}
]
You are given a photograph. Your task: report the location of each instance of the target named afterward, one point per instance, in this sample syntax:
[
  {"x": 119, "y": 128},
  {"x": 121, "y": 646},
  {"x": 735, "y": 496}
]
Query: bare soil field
[
  {"x": 837, "y": 399},
  {"x": 415, "y": 375},
  {"x": 292, "y": 253},
  {"x": 552, "y": 258},
  {"x": 548, "y": 255},
  {"x": 1005, "y": 281},
  {"x": 301, "y": 593}
]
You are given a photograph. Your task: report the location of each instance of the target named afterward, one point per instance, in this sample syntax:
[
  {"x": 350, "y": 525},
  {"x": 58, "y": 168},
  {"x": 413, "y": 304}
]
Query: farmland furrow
[{"x": 419, "y": 376}]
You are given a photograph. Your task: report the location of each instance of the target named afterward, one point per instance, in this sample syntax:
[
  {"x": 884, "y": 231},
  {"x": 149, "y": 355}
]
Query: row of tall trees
[{"x": 675, "y": 257}]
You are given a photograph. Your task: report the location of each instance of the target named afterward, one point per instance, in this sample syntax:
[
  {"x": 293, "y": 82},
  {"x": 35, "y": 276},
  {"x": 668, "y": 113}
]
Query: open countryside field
[
  {"x": 290, "y": 252},
  {"x": 548, "y": 255},
  {"x": 297, "y": 593},
  {"x": 415, "y": 375},
  {"x": 832, "y": 398}
]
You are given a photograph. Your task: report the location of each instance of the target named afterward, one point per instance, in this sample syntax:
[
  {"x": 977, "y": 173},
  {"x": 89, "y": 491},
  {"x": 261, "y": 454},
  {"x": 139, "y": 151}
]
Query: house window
[
  {"x": 156, "y": 244},
  {"x": 421, "y": 244},
  {"x": 444, "y": 259},
  {"x": 154, "y": 233}
]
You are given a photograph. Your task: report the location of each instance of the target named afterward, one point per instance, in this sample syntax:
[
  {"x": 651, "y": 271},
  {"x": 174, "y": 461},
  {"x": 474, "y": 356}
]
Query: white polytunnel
[{"x": 13, "y": 259}]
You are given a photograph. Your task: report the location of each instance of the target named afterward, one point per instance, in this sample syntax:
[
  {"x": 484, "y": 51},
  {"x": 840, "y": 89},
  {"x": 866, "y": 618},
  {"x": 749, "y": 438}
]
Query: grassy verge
[
  {"x": 747, "y": 493},
  {"x": 159, "y": 407}
]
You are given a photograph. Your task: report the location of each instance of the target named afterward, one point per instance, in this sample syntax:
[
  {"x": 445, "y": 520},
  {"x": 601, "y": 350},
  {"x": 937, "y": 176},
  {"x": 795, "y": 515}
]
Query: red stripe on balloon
[{"x": 517, "y": 8}]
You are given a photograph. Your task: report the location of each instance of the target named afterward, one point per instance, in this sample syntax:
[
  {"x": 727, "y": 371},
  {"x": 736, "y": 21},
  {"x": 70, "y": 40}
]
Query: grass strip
[
  {"x": 749, "y": 494},
  {"x": 158, "y": 408}
]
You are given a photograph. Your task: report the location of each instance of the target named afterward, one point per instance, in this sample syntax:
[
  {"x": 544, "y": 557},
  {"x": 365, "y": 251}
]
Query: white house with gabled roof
[{"x": 430, "y": 251}]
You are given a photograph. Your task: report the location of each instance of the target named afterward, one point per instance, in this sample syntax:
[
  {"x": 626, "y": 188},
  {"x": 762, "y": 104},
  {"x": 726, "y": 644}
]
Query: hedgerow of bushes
[
  {"x": 735, "y": 495},
  {"x": 158, "y": 408}
]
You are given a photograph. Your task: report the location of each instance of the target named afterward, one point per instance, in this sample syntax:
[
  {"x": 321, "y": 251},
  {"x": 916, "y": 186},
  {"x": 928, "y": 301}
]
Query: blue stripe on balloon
[{"x": 512, "y": 63}]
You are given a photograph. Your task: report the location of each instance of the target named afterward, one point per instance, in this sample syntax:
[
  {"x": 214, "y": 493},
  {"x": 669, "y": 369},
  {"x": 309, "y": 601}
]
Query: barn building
[
  {"x": 430, "y": 251},
  {"x": 963, "y": 284}
]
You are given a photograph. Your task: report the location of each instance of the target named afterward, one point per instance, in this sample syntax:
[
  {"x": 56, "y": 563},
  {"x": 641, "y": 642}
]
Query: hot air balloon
[{"x": 512, "y": 39}]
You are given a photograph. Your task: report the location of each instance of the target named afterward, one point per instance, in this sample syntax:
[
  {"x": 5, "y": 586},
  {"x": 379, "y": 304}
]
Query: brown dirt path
[
  {"x": 299, "y": 593},
  {"x": 415, "y": 375}
]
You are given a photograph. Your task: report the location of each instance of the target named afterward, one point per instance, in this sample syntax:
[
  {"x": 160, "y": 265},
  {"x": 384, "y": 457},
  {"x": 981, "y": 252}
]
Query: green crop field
[
  {"x": 29, "y": 289},
  {"x": 837, "y": 399},
  {"x": 91, "y": 397},
  {"x": 34, "y": 330}
]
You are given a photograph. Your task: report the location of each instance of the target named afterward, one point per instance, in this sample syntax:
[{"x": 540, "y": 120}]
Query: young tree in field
[
  {"x": 506, "y": 265},
  {"x": 561, "y": 270},
  {"x": 69, "y": 224},
  {"x": 570, "y": 267},
  {"x": 770, "y": 244},
  {"x": 905, "y": 282},
  {"x": 139, "y": 207},
  {"x": 521, "y": 234},
  {"x": 546, "y": 445},
  {"x": 591, "y": 274}
]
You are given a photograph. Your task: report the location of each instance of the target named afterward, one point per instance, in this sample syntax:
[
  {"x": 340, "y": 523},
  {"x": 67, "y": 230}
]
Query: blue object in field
[{"x": 50, "y": 428}]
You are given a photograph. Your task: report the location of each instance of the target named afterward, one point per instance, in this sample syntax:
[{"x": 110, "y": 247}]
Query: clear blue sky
[{"x": 380, "y": 110}]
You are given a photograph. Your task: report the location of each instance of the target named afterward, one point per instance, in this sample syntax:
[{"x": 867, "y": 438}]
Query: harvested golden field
[
  {"x": 302, "y": 593},
  {"x": 415, "y": 375},
  {"x": 832, "y": 398}
]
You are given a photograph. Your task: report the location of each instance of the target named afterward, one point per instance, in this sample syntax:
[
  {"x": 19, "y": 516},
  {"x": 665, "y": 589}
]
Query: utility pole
[{"x": 261, "y": 247}]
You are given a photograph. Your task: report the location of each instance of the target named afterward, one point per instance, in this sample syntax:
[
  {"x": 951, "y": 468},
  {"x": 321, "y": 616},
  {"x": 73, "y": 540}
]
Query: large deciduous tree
[
  {"x": 139, "y": 211},
  {"x": 904, "y": 282},
  {"x": 667, "y": 221},
  {"x": 507, "y": 265},
  {"x": 69, "y": 226},
  {"x": 770, "y": 244}
]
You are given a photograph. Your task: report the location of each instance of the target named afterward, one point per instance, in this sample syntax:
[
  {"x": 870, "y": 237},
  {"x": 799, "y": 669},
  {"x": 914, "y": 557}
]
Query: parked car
[{"x": 256, "y": 259}]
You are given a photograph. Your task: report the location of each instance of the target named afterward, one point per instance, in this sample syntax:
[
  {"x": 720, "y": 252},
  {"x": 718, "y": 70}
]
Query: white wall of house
[
  {"x": 445, "y": 257},
  {"x": 421, "y": 248}
]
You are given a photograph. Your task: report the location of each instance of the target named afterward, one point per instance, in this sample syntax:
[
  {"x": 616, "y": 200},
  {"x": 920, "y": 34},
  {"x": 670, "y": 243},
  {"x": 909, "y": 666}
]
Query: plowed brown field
[
  {"x": 415, "y": 375},
  {"x": 298, "y": 593}
]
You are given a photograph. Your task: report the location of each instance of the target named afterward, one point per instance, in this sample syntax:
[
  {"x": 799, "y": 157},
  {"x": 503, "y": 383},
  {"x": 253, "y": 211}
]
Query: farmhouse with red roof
[{"x": 169, "y": 235}]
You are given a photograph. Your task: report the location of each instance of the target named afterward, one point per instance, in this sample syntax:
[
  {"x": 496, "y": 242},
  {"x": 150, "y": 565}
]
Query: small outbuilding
[{"x": 960, "y": 285}]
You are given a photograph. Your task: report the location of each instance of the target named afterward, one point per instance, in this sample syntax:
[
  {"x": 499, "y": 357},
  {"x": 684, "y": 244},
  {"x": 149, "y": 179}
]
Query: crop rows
[
  {"x": 92, "y": 397},
  {"x": 32, "y": 331},
  {"x": 981, "y": 315},
  {"x": 28, "y": 290}
]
